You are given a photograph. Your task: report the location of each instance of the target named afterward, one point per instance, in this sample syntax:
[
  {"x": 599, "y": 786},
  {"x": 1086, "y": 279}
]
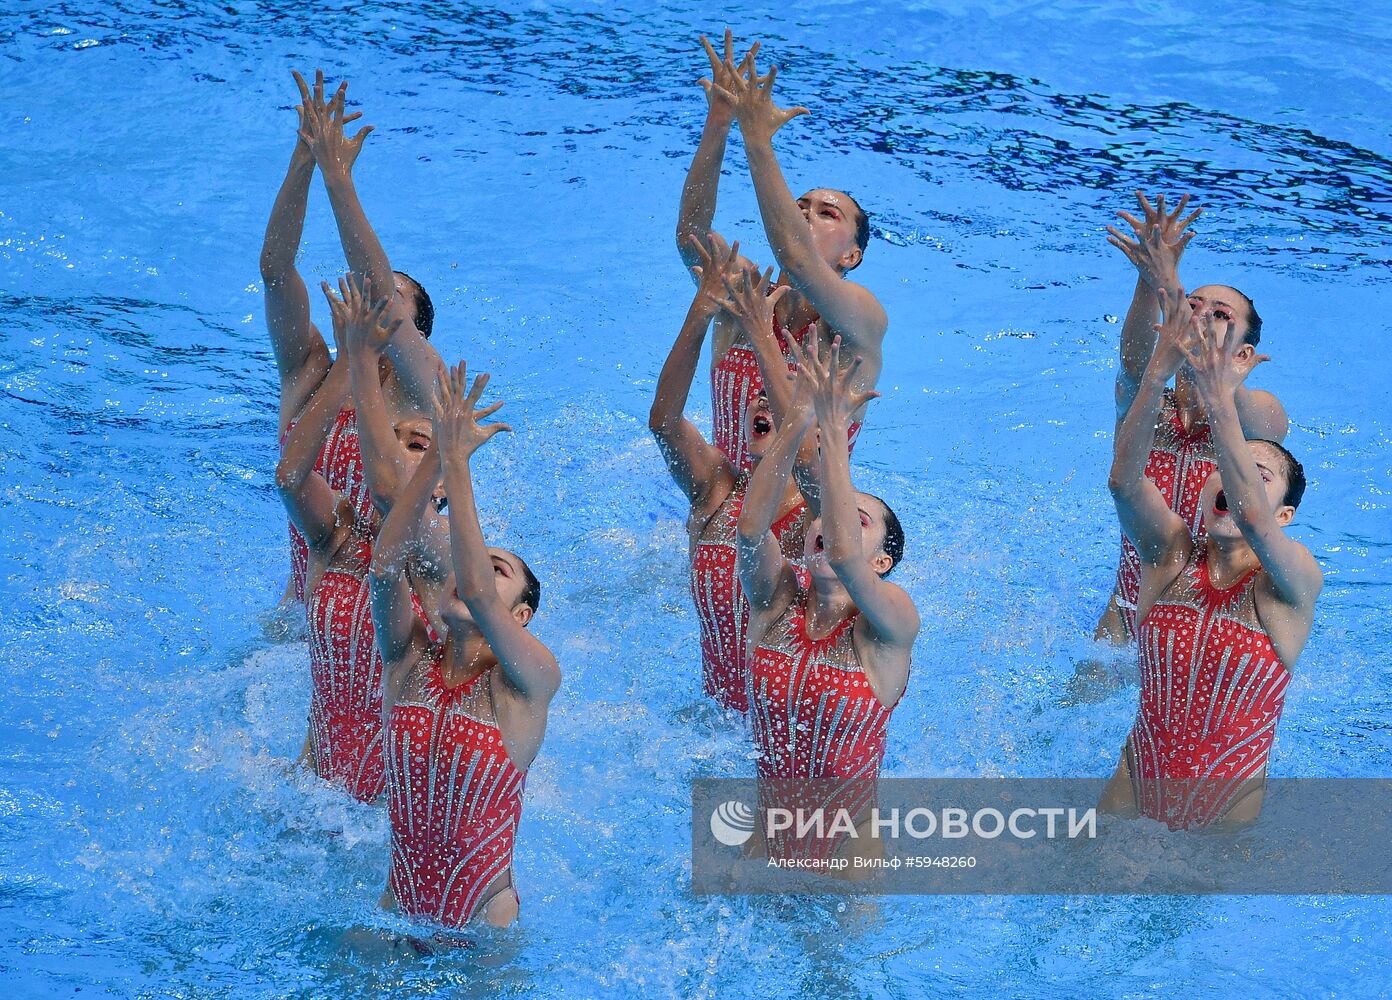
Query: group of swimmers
[{"x": 429, "y": 690}]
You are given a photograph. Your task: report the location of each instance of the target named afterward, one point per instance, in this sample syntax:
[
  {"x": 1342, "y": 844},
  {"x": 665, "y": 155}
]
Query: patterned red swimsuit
[
  {"x": 1212, "y": 689},
  {"x": 817, "y": 725},
  {"x": 1180, "y": 463},
  {"x": 340, "y": 463},
  {"x": 735, "y": 382},
  {"x": 720, "y": 605},
  {"x": 454, "y": 798},
  {"x": 345, "y": 713}
]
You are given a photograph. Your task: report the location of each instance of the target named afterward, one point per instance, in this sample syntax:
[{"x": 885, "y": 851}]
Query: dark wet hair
[
  {"x": 1295, "y": 473},
  {"x": 531, "y": 586},
  {"x": 1253, "y": 335},
  {"x": 894, "y": 536},
  {"x": 862, "y": 223},
  {"x": 425, "y": 309}
]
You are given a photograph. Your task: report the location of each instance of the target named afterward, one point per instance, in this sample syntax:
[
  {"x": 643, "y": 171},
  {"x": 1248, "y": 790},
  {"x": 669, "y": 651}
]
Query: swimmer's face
[
  {"x": 508, "y": 577},
  {"x": 872, "y": 536},
  {"x": 758, "y": 425},
  {"x": 832, "y": 217},
  {"x": 413, "y": 434},
  {"x": 1218, "y": 513},
  {"x": 1222, "y": 307}
]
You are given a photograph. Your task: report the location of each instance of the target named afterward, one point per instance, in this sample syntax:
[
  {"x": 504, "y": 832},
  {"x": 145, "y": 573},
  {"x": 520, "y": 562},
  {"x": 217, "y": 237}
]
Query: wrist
[{"x": 719, "y": 120}]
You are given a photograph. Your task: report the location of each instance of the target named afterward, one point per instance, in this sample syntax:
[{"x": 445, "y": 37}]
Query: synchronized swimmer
[{"x": 428, "y": 689}]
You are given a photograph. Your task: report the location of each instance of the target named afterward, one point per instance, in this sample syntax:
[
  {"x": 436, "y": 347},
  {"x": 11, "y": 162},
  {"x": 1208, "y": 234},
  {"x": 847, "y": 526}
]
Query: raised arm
[
  {"x": 311, "y": 502},
  {"x": 697, "y": 466},
  {"x": 764, "y": 572},
  {"x": 848, "y": 307},
  {"x": 1155, "y": 530},
  {"x": 528, "y": 666},
  {"x": 749, "y": 301},
  {"x": 703, "y": 179},
  {"x": 302, "y": 357},
  {"x": 1220, "y": 366},
  {"x": 1157, "y": 242},
  {"x": 393, "y": 613},
  {"x": 416, "y": 363},
  {"x": 889, "y": 612},
  {"x": 363, "y": 331}
]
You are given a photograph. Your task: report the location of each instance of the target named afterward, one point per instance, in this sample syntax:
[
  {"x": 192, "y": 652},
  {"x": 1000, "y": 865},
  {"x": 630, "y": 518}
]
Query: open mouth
[
  {"x": 817, "y": 545},
  {"x": 1220, "y": 502},
  {"x": 761, "y": 424}
]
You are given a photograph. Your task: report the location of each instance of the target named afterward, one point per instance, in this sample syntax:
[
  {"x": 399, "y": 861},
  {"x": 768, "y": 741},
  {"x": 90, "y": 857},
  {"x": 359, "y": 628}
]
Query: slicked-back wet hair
[
  {"x": 531, "y": 586},
  {"x": 894, "y": 536},
  {"x": 1295, "y": 473},
  {"x": 425, "y": 309}
]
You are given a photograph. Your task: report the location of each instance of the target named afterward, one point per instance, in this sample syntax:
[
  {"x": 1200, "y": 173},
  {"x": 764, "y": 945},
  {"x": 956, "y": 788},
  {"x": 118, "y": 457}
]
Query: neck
[
  {"x": 828, "y": 604},
  {"x": 1187, "y": 401},
  {"x": 794, "y": 311},
  {"x": 1229, "y": 560},
  {"x": 467, "y": 654}
]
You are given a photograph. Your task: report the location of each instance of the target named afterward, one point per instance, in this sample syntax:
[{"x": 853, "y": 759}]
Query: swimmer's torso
[
  {"x": 345, "y": 714},
  {"x": 720, "y": 605},
  {"x": 454, "y": 796},
  {"x": 1181, "y": 460},
  {"x": 1212, "y": 690}
]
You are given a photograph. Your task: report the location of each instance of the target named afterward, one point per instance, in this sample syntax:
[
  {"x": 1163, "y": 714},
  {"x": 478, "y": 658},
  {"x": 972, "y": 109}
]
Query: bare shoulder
[{"x": 1263, "y": 416}]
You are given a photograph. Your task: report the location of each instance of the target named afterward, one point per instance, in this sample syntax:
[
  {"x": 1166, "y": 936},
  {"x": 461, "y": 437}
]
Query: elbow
[{"x": 286, "y": 479}]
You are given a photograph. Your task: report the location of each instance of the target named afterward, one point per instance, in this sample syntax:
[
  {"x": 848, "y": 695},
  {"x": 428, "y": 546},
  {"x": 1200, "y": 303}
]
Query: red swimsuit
[
  {"x": 1180, "y": 463},
  {"x": 345, "y": 713},
  {"x": 817, "y": 725},
  {"x": 340, "y": 463},
  {"x": 720, "y": 605},
  {"x": 454, "y": 797},
  {"x": 735, "y": 382},
  {"x": 1212, "y": 688}
]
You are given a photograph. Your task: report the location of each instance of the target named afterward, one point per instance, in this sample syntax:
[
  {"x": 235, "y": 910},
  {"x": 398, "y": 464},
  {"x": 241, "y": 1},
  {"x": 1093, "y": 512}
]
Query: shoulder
[{"x": 1263, "y": 416}]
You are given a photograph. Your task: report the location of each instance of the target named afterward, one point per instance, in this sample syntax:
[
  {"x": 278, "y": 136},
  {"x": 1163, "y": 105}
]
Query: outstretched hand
[
  {"x": 751, "y": 95},
  {"x": 1159, "y": 240},
  {"x": 360, "y": 324},
  {"x": 717, "y": 262},
  {"x": 458, "y": 431},
  {"x": 321, "y": 126},
  {"x": 833, "y": 397},
  {"x": 720, "y": 86},
  {"x": 1175, "y": 327},
  {"x": 1219, "y": 359},
  {"x": 748, "y": 299}
]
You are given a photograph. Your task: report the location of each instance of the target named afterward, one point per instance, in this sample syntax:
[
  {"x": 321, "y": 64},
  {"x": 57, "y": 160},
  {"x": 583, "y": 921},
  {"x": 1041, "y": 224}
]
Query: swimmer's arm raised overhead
[
  {"x": 416, "y": 362},
  {"x": 1219, "y": 371},
  {"x": 528, "y": 666},
  {"x": 300, "y": 352},
  {"x": 749, "y": 301},
  {"x": 1159, "y": 534},
  {"x": 311, "y": 502},
  {"x": 765, "y": 574},
  {"x": 398, "y": 628},
  {"x": 888, "y": 610},
  {"x": 1155, "y": 246},
  {"x": 848, "y": 307},
  {"x": 363, "y": 332},
  {"x": 703, "y": 179},
  {"x": 697, "y": 466}
]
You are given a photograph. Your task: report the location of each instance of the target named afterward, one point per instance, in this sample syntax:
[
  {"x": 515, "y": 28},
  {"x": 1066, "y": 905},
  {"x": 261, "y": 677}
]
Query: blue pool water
[{"x": 526, "y": 168}]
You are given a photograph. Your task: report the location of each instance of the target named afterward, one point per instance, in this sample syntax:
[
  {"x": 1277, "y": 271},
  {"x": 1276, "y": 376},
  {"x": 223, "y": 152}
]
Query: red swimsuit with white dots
[
  {"x": 817, "y": 725},
  {"x": 735, "y": 382},
  {"x": 340, "y": 463},
  {"x": 454, "y": 797},
  {"x": 345, "y": 709},
  {"x": 720, "y": 605},
  {"x": 1180, "y": 463},
  {"x": 1212, "y": 689}
]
